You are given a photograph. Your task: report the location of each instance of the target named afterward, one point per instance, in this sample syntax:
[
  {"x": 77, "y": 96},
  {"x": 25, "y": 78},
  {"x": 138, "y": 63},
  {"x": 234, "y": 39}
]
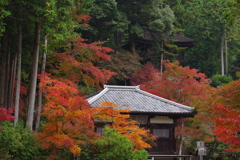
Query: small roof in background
[
  {"x": 179, "y": 38},
  {"x": 138, "y": 101},
  {"x": 149, "y": 35}
]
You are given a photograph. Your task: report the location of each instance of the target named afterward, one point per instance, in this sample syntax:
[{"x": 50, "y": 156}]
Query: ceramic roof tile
[{"x": 137, "y": 100}]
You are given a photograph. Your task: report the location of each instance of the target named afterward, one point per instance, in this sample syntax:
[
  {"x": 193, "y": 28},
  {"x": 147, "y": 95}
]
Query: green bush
[
  {"x": 4, "y": 155},
  {"x": 219, "y": 80},
  {"x": 112, "y": 146},
  {"x": 17, "y": 142}
]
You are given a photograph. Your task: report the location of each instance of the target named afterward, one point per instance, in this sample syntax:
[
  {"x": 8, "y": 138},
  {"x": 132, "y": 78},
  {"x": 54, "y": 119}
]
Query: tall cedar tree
[
  {"x": 121, "y": 21},
  {"x": 199, "y": 20},
  {"x": 58, "y": 19}
]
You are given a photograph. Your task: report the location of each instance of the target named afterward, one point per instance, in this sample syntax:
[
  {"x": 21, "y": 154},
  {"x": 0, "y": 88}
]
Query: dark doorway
[{"x": 165, "y": 143}]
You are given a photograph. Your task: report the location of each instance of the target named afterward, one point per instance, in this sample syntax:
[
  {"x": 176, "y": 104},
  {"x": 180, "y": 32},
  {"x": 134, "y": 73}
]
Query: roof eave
[
  {"x": 180, "y": 115},
  {"x": 94, "y": 98}
]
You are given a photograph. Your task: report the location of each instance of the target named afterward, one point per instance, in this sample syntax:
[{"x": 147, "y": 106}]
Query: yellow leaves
[
  {"x": 108, "y": 111},
  {"x": 89, "y": 81},
  {"x": 54, "y": 112},
  {"x": 130, "y": 129},
  {"x": 75, "y": 150},
  {"x": 120, "y": 121},
  {"x": 109, "y": 104}
]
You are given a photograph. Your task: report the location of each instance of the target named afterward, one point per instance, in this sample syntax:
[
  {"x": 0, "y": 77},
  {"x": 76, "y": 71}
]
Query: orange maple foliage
[
  {"x": 128, "y": 128},
  {"x": 229, "y": 95},
  {"x": 68, "y": 117}
]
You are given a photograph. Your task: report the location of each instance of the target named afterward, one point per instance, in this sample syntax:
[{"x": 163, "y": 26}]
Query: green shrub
[
  {"x": 17, "y": 142},
  {"x": 4, "y": 155},
  {"x": 112, "y": 146},
  {"x": 219, "y": 80}
]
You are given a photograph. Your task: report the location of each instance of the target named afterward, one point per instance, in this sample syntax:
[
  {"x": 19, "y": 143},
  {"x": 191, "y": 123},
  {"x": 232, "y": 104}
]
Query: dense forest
[{"x": 53, "y": 54}]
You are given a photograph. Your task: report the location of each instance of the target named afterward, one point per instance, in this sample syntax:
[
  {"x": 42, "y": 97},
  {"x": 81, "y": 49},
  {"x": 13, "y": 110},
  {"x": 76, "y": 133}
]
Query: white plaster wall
[{"x": 162, "y": 119}]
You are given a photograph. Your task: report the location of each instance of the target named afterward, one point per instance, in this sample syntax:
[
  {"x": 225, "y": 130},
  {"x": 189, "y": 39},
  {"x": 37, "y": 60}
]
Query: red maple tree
[
  {"x": 177, "y": 83},
  {"x": 227, "y": 127},
  {"x": 6, "y": 114},
  {"x": 77, "y": 63},
  {"x": 183, "y": 85}
]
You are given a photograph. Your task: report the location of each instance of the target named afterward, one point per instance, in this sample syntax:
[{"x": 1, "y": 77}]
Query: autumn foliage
[
  {"x": 127, "y": 127},
  {"x": 6, "y": 114},
  {"x": 177, "y": 83},
  {"x": 77, "y": 63},
  {"x": 183, "y": 85},
  {"x": 68, "y": 117},
  {"x": 227, "y": 127},
  {"x": 229, "y": 95}
]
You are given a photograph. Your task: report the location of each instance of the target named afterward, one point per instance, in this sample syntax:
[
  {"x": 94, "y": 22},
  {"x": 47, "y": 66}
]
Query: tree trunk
[
  {"x": 11, "y": 81},
  {"x": 4, "y": 70},
  {"x": 222, "y": 58},
  {"x": 33, "y": 79},
  {"x": 39, "y": 109},
  {"x": 7, "y": 74},
  {"x": 132, "y": 45},
  {"x": 226, "y": 52},
  {"x": 7, "y": 78},
  {"x": 18, "y": 78},
  {"x": 181, "y": 140},
  {"x": 161, "y": 64},
  {"x": 131, "y": 36},
  {"x": 161, "y": 60}
]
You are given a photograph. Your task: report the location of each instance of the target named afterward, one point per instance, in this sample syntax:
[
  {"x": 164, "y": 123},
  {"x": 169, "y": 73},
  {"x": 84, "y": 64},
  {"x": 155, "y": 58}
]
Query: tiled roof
[
  {"x": 137, "y": 100},
  {"x": 150, "y": 34},
  {"x": 179, "y": 38}
]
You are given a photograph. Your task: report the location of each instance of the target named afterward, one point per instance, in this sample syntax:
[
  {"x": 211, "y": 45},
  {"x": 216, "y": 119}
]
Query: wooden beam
[
  {"x": 152, "y": 157},
  {"x": 170, "y": 156}
]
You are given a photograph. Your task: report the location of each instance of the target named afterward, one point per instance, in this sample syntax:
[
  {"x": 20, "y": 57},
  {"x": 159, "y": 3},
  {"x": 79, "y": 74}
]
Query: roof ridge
[
  {"x": 122, "y": 87},
  {"x": 167, "y": 101},
  {"x": 94, "y": 98}
]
